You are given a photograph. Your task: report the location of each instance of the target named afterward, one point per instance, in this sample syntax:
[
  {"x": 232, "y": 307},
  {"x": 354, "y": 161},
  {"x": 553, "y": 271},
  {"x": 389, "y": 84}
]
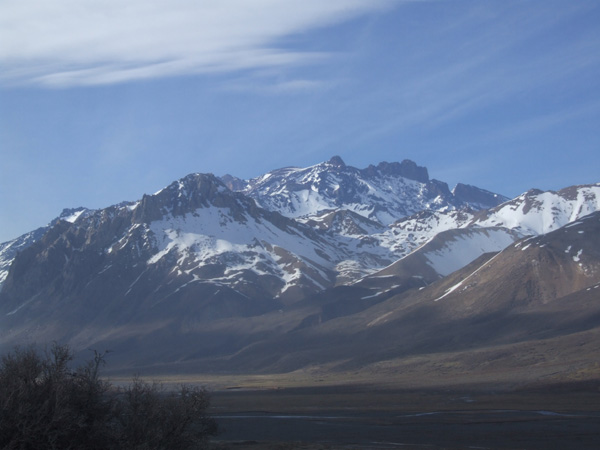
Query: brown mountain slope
[{"x": 536, "y": 290}]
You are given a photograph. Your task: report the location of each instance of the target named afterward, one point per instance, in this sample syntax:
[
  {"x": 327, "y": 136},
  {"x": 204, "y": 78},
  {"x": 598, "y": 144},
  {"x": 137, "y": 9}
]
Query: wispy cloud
[
  {"x": 264, "y": 85},
  {"x": 489, "y": 56},
  {"x": 74, "y": 42},
  {"x": 542, "y": 123}
]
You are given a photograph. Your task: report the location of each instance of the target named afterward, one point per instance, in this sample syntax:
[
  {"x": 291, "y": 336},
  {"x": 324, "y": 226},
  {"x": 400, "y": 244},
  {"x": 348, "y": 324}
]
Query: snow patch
[
  {"x": 73, "y": 217},
  {"x": 14, "y": 311},
  {"x": 464, "y": 249},
  {"x": 379, "y": 319},
  {"x": 372, "y": 296}
]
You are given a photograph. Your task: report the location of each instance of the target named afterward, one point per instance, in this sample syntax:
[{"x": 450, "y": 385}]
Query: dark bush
[
  {"x": 44, "y": 404},
  {"x": 152, "y": 418}
]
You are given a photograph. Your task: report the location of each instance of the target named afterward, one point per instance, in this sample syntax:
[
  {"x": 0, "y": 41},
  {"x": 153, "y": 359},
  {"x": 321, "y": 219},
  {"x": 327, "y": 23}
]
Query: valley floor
[
  {"x": 385, "y": 417},
  {"x": 484, "y": 399}
]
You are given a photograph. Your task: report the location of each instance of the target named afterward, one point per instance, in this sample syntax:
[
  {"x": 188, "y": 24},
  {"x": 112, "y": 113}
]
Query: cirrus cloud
[{"x": 74, "y": 42}]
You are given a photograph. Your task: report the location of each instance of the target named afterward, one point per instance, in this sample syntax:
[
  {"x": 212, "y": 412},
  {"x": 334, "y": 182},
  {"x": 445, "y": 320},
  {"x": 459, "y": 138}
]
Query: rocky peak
[
  {"x": 336, "y": 161},
  {"x": 440, "y": 188},
  {"x": 185, "y": 195},
  {"x": 474, "y": 196},
  {"x": 234, "y": 183},
  {"x": 407, "y": 169},
  {"x": 68, "y": 212}
]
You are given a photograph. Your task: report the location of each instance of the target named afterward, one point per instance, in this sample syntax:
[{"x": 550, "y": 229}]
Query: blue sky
[{"x": 103, "y": 101}]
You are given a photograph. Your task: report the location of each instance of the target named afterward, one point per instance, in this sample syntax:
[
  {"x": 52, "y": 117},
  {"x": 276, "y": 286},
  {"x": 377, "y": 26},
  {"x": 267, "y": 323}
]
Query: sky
[{"x": 102, "y": 101}]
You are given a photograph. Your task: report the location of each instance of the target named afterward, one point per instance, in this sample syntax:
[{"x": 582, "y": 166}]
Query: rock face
[
  {"x": 476, "y": 198},
  {"x": 9, "y": 250},
  {"x": 243, "y": 275}
]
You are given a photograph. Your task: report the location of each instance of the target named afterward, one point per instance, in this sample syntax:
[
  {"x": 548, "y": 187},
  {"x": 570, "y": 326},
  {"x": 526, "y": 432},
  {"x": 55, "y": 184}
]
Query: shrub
[
  {"x": 44, "y": 404},
  {"x": 151, "y": 418}
]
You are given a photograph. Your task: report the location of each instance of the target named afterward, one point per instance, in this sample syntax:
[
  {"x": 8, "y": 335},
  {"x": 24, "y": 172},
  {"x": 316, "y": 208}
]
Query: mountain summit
[{"x": 337, "y": 161}]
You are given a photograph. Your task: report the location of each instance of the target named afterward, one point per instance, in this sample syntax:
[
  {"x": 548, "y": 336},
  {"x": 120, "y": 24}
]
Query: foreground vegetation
[{"x": 47, "y": 404}]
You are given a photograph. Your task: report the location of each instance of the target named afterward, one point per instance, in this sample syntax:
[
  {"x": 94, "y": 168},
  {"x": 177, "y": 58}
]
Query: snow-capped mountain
[
  {"x": 290, "y": 250},
  {"x": 352, "y": 206},
  {"x": 532, "y": 213},
  {"x": 340, "y": 234},
  {"x": 219, "y": 236},
  {"x": 193, "y": 238},
  {"x": 538, "y": 212},
  {"x": 383, "y": 193},
  {"x": 432, "y": 244}
]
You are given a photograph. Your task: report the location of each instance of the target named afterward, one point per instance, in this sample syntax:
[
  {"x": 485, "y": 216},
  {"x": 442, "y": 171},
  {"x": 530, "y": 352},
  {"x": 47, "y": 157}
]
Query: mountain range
[{"x": 328, "y": 266}]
